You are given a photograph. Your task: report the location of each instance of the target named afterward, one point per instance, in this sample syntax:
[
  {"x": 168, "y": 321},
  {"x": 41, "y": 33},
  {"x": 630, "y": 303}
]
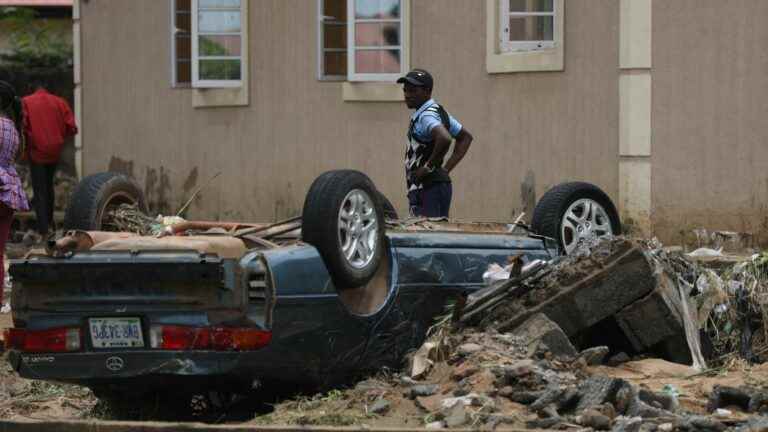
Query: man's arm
[
  {"x": 463, "y": 141},
  {"x": 70, "y": 126}
]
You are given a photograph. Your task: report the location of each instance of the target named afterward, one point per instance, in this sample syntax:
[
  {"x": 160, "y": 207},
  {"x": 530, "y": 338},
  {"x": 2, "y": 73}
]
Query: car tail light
[
  {"x": 62, "y": 339},
  {"x": 168, "y": 337}
]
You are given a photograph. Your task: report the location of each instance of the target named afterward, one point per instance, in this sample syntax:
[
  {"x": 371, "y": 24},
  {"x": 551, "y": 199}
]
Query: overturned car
[{"x": 345, "y": 289}]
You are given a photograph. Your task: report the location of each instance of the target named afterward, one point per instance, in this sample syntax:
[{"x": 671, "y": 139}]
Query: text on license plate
[{"x": 116, "y": 332}]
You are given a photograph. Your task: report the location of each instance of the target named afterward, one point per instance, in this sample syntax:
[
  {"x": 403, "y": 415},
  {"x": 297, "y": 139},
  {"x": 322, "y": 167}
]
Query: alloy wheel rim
[
  {"x": 358, "y": 229},
  {"x": 584, "y": 222}
]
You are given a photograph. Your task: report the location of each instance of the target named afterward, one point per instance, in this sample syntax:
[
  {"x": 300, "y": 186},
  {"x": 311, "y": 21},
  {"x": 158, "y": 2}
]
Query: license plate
[{"x": 116, "y": 332}]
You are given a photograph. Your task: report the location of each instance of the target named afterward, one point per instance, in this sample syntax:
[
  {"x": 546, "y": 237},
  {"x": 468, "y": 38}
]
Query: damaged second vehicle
[{"x": 345, "y": 289}]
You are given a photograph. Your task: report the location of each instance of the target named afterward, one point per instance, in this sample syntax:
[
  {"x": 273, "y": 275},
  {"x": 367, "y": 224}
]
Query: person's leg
[
  {"x": 431, "y": 201},
  {"x": 6, "y": 217},
  {"x": 38, "y": 176},
  {"x": 414, "y": 203},
  {"x": 446, "y": 194},
  {"x": 50, "y": 173}
]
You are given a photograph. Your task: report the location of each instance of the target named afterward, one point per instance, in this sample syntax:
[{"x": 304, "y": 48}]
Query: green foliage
[{"x": 34, "y": 43}]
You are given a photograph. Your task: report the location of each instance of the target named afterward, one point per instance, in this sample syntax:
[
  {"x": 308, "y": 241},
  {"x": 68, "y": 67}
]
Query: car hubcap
[
  {"x": 358, "y": 228},
  {"x": 584, "y": 222}
]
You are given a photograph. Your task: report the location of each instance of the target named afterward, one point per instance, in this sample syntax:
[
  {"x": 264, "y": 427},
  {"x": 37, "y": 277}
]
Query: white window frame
[
  {"x": 196, "y": 81},
  {"x": 321, "y": 49},
  {"x": 174, "y": 32},
  {"x": 507, "y": 46},
  {"x": 353, "y": 75}
]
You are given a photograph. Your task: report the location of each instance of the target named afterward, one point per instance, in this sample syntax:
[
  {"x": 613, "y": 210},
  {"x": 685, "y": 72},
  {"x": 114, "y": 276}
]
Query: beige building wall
[
  {"x": 710, "y": 116},
  {"x": 531, "y": 129}
]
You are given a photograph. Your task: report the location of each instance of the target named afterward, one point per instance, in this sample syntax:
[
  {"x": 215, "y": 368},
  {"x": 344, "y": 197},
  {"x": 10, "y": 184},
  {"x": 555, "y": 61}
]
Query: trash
[
  {"x": 496, "y": 273},
  {"x": 723, "y": 413},
  {"x": 706, "y": 252},
  {"x": 420, "y": 361},
  {"x": 381, "y": 406}
]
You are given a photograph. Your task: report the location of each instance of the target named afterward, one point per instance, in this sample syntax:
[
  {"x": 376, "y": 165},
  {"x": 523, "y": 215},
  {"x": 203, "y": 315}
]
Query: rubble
[{"x": 556, "y": 346}]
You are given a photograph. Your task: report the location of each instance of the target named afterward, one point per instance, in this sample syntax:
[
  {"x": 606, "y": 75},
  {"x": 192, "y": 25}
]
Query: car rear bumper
[{"x": 114, "y": 366}]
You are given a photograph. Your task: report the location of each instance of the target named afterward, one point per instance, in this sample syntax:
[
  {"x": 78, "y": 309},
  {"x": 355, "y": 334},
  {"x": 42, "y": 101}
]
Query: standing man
[
  {"x": 430, "y": 133},
  {"x": 48, "y": 121}
]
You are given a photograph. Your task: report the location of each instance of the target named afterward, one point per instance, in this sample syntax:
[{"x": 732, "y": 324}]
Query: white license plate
[{"x": 116, "y": 332}]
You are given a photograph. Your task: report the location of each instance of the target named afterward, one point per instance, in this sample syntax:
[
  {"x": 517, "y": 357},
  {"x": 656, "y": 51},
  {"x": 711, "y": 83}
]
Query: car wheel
[
  {"x": 575, "y": 213},
  {"x": 343, "y": 219},
  {"x": 96, "y": 195}
]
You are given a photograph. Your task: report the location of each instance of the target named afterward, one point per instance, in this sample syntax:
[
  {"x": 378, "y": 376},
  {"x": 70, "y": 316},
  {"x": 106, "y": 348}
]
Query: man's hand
[{"x": 419, "y": 174}]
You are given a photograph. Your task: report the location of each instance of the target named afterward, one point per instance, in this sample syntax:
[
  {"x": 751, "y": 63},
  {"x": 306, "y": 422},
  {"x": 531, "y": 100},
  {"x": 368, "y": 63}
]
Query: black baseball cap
[{"x": 417, "y": 77}]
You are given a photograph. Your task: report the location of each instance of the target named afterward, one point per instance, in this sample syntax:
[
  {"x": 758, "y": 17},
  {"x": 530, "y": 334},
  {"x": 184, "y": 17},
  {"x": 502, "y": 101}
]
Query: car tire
[
  {"x": 95, "y": 195},
  {"x": 343, "y": 218},
  {"x": 573, "y": 213}
]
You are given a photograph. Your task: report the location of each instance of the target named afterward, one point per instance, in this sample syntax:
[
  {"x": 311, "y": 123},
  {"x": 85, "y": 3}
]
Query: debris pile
[{"x": 600, "y": 340}]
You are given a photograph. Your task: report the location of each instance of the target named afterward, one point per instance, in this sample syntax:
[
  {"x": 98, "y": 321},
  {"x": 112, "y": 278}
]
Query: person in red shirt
[{"x": 48, "y": 121}]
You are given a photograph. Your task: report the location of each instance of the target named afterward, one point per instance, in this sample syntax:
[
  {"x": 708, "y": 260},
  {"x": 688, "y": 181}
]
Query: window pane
[
  {"x": 336, "y": 9},
  {"x": 184, "y": 22},
  {"x": 377, "y": 9},
  {"x": 377, "y": 34},
  {"x": 219, "y": 69},
  {"x": 377, "y": 61},
  {"x": 531, "y": 5},
  {"x": 218, "y": 4},
  {"x": 219, "y": 45},
  {"x": 183, "y": 72},
  {"x": 335, "y": 63},
  {"x": 183, "y": 6},
  {"x": 335, "y": 36},
  {"x": 183, "y": 47},
  {"x": 218, "y": 22},
  {"x": 535, "y": 28}
]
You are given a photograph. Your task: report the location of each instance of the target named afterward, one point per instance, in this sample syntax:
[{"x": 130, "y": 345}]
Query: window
[
  {"x": 217, "y": 43},
  {"x": 181, "y": 43},
  {"x": 362, "y": 40},
  {"x": 333, "y": 39},
  {"x": 525, "y": 36},
  {"x": 527, "y": 25}
]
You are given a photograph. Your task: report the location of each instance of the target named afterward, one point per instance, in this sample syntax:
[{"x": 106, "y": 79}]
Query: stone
[
  {"x": 468, "y": 349},
  {"x": 594, "y": 356},
  {"x": 456, "y": 416},
  {"x": 755, "y": 424},
  {"x": 539, "y": 330},
  {"x": 594, "y": 419},
  {"x": 509, "y": 373},
  {"x": 627, "y": 424},
  {"x": 463, "y": 371},
  {"x": 618, "y": 359},
  {"x": 700, "y": 424},
  {"x": 526, "y": 397},
  {"x": 435, "y": 425},
  {"x": 381, "y": 406},
  {"x": 507, "y": 392},
  {"x": 430, "y": 404},
  {"x": 423, "y": 390},
  {"x": 550, "y": 396},
  {"x": 724, "y": 396},
  {"x": 659, "y": 400},
  {"x": 666, "y": 427},
  {"x": 543, "y": 423},
  {"x": 597, "y": 390}
]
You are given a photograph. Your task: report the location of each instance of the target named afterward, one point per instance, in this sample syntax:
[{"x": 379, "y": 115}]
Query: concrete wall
[
  {"x": 710, "y": 105},
  {"x": 542, "y": 128}
]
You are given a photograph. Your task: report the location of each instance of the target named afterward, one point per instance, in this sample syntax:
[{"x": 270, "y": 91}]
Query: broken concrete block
[
  {"x": 618, "y": 359},
  {"x": 593, "y": 419},
  {"x": 700, "y": 423},
  {"x": 381, "y": 406},
  {"x": 656, "y": 318},
  {"x": 423, "y": 390},
  {"x": 598, "y": 390},
  {"x": 664, "y": 401},
  {"x": 594, "y": 356},
  {"x": 435, "y": 425},
  {"x": 755, "y": 424},
  {"x": 627, "y": 424},
  {"x": 624, "y": 277},
  {"x": 456, "y": 416},
  {"x": 468, "y": 348},
  {"x": 550, "y": 396},
  {"x": 538, "y": 330},
  {"x": 724, "y": 396}
]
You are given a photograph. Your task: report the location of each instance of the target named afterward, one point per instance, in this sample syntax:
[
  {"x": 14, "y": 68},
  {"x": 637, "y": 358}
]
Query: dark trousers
[
  {"x": 42, "y": 185},
  {"x": 6, "y": 217},
  {"x": 431, "y": 201}
]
